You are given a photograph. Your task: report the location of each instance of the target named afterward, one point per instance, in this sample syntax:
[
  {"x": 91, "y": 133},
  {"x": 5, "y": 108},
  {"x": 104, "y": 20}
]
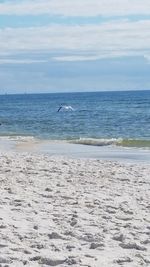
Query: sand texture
[{"x": 72, "y": 212}]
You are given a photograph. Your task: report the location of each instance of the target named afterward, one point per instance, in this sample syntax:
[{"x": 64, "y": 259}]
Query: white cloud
[
  {"x": 77, "y": 58},
  {"x": 88, "y": 57},
  {"x": 76, "y": 7},
  {"x": 20, "y": 61},
  {"x": 92, "y": 41}
]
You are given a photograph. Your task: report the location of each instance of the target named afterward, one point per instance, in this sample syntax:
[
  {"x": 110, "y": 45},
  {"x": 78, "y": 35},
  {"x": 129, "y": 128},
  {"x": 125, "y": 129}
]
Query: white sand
[{"x": 73, "y": 212}]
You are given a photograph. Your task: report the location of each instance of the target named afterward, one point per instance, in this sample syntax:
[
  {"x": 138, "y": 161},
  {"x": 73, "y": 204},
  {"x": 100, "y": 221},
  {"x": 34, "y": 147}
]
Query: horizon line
[{"x": 74, "y": 92}]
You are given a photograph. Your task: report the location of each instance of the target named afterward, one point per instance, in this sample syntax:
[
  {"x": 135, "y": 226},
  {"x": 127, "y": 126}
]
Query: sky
[{"x": 74, "y": 45}]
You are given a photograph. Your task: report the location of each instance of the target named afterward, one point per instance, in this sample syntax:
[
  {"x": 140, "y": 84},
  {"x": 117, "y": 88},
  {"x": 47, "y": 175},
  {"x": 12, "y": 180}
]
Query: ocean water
[{"x": 97, "y": 118}]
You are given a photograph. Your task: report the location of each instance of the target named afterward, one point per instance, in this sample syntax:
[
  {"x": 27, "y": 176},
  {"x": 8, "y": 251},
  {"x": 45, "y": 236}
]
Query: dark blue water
[{"x": 98, "y": 118}]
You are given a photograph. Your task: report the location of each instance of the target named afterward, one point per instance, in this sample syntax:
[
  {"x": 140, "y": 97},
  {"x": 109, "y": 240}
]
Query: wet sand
[{"x": 62, "y": 148}]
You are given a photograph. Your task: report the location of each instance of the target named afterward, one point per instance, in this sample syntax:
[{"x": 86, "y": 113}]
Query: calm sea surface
[{"x": 100, "y": 118}]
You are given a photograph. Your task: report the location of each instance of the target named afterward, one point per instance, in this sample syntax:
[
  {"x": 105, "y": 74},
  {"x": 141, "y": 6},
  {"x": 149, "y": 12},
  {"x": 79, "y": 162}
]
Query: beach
[
  {"x": 74, "y": 133},
  {"x": 63, "y": 211}
]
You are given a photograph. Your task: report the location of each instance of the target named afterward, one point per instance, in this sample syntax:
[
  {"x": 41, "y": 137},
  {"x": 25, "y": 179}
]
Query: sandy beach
[{"x": 56, "y": 211}]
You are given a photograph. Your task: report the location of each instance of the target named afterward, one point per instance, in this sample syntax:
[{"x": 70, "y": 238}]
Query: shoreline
[
  {"x": 70, "y": 150},
  {"x": 57, "y": 211}
]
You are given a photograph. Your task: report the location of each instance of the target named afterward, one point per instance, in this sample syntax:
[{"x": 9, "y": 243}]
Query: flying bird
[{"x": 65, "y": 108}]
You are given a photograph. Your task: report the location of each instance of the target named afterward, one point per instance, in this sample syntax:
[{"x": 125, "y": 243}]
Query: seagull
[{"x": 65, "y": 108}]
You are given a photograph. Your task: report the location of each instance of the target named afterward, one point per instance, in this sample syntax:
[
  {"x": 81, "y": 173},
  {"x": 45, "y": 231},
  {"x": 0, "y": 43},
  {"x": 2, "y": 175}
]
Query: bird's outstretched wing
[{"x": 59, "y": 108}]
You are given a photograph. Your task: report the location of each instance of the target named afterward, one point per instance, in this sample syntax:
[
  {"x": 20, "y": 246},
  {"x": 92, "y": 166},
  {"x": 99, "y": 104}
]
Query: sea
[{"x": 118, "y": 119}]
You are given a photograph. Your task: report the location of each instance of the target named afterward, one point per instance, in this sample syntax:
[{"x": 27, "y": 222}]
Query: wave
[
  {"x": 96, "y": 142},
  {"x": 20, "y": 138},
  {"x": 112, "y": 142},
  {"x": 137, "y": 143}
]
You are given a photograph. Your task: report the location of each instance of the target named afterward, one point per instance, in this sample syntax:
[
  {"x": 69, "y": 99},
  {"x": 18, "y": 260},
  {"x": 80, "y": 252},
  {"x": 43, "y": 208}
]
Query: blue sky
[{"x": 74, "y": 45}]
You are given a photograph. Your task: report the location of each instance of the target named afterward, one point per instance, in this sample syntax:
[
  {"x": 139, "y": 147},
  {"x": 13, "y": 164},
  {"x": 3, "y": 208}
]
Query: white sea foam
[
  {"x": 97, "y": 142},
  {"x": 17, "y": 138}
]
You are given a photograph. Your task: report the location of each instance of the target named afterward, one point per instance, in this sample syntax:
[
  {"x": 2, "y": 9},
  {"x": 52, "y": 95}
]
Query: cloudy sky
[{"x": 74, "y": 45}]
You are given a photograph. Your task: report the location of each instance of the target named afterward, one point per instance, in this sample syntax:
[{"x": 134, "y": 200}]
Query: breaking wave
[
  {"x": 112, "y": 142},
  {"x": 135, "y": 143}
]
